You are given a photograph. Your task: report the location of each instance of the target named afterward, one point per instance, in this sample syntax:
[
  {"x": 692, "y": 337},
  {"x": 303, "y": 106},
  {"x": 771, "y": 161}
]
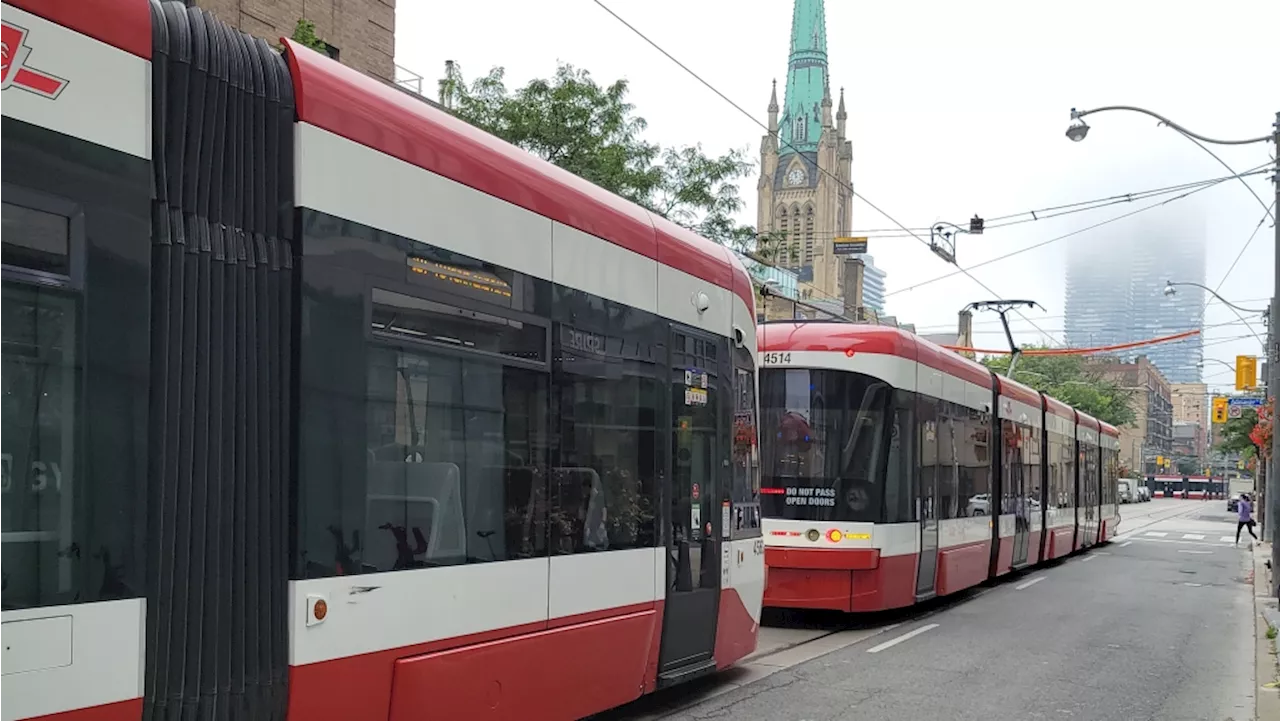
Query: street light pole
[
  {"x": 1272, "y": 497},
  {"x": 1077, "y": 132}
]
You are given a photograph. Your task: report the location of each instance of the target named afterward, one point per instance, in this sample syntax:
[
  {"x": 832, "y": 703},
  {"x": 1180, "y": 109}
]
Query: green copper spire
[{"x": 801, "y": 121}]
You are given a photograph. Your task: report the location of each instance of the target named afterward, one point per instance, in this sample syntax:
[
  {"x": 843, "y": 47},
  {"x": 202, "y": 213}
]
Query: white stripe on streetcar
[
  {"x": 1193, "y": 537},
  {"x": 1028, "y": 584},
  {"x": 904, "y": 637}
]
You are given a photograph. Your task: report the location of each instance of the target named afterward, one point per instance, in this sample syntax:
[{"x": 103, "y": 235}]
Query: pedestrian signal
[{"x": 1220, "y": 409}]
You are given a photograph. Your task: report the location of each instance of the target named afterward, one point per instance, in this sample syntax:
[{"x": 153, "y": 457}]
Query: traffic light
[
  {"x": 976, "y": 225},
  {"x": 1246, "y": 372},
  {"x": 1219, "y": 409}
]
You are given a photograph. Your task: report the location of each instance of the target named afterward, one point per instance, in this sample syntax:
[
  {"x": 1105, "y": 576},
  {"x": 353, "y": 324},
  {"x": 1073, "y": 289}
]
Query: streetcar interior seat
[{"x": 414, "y": 500}]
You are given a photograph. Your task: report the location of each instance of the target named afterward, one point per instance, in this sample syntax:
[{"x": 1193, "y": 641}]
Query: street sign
[
  {"x": 1244, "y": 402},
  {"x": 1246, "y": 372},
  {"x": 1219, "y": 409},
  {"x": 849, "y": 246},
  {"x": 1235, "y": 411}
]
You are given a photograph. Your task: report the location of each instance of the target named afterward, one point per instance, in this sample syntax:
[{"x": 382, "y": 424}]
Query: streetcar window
[
  {"x": 603, "y": 479},
  {"x": 455, "y": 446},
  {"x": 745, "y": 493},
  {"x": 41, "y": 409},
  {"x": 36, "y": 240},
  {"x": 825, "y": 441}
]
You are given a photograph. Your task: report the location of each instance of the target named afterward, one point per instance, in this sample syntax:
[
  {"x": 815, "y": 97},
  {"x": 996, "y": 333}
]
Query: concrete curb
[{"x": 1266, "y": 615}]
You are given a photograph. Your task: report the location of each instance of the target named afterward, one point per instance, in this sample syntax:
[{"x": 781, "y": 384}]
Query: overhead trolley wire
[
  {"x": 1064, "y": 236},
  {"x": 828, "y": 173}
]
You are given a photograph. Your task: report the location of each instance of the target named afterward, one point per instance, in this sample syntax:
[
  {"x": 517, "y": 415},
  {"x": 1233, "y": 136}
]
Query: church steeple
[{"x": 801, "y": 122}]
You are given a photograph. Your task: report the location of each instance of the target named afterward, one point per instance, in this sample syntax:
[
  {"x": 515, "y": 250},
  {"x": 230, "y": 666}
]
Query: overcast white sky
[{"x": 954, "y": 109}]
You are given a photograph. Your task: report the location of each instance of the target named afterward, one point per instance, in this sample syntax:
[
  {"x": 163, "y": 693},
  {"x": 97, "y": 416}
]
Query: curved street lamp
[
  {"x": 1171, "y": 288},
  {"x": 1077, "y": 132}
]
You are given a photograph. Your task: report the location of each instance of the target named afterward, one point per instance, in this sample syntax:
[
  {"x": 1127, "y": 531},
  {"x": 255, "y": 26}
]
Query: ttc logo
[{"x": 15, "y": 72}]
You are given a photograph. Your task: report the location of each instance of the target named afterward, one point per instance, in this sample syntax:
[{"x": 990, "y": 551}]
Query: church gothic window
[
  {"x": 808, "y": 234},
  {"x": 801, "y": 132}
]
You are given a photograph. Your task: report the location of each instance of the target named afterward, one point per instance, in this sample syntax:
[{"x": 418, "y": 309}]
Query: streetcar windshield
[{"x": 823, "y": 444}]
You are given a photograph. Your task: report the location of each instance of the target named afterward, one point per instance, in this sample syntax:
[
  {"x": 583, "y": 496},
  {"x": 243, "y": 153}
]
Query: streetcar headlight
[
  {"x": 813, "y": 534},
  {"x": 834, "y": 535}
]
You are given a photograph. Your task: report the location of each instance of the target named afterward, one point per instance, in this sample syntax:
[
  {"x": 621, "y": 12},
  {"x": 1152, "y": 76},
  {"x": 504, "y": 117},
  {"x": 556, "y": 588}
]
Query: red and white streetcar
[
  {"x": 894, "y": 470},
  {"x": 322, "y": 404}
]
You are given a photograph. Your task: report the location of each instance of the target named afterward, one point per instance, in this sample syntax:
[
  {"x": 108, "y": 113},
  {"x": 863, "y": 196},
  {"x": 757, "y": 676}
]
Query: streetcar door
[
  {"x": 698, "y": 379},
  {"x": 927, "y": 501},
  {"x": 1017, "y": 480}
]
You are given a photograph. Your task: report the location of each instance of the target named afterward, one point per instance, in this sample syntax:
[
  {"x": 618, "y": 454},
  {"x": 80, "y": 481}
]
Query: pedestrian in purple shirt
[{"x": 1244, "y": 510}]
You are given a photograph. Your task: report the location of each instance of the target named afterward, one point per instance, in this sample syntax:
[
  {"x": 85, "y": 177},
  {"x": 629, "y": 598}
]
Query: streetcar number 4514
[{"x": 776, "y": 358}]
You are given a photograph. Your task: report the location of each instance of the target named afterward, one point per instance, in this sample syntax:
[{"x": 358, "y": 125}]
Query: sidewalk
[{"x": 1266, "y": 617}]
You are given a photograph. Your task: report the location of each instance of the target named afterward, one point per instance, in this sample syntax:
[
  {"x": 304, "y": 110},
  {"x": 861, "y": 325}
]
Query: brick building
[
  {"x": 1151, "y": 433},
  {"x": 359, "y": 33}
]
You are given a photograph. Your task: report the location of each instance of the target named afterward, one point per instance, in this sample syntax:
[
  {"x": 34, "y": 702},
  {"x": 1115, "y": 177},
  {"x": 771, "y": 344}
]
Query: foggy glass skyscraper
[{"x": 1115, "y": 288}]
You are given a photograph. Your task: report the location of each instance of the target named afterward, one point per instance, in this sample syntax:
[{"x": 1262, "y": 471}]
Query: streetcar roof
[
  {"x": 853, "y": 338},
  {"x": 347, "y": 103}
]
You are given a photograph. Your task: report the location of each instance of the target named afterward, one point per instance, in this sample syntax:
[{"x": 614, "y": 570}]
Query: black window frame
[{"x": 73, "y": 212}]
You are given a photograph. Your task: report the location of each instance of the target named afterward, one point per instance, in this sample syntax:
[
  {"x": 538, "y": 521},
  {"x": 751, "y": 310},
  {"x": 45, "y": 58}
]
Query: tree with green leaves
[
  {"x": 304, "y": 33},
  {"x": 1069, "y": 379},
  {"x": 592, "y": 131}
]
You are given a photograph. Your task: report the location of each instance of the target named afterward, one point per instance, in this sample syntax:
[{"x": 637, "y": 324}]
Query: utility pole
[
  {"x": 1272, "y": 498},
  {"x": 1267, "y": 467}
]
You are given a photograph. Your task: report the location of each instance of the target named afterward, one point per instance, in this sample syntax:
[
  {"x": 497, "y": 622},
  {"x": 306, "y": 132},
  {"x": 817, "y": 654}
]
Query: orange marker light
[
  {"x": 834, "y": 535},
  {"x": 320, "y": 610},
  {"x": 848, "y": 353}
]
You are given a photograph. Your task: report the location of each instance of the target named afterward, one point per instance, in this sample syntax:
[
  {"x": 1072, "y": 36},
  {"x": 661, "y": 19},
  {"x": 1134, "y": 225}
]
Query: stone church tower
[{"x": 805, "y": 189}]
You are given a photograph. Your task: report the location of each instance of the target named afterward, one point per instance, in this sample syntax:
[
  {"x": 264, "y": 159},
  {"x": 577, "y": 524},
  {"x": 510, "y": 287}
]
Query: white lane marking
[
  {"x": 1157, "y": 534},
  {"x": 1198, "y": 553},
  {"x": 1028, "y": 584},
  {"x": 1126, "y": 543},
  {"x": 1193, "y": 537},
  {"x": 904, "y": 637},
  {"x": 1227, "y": 539},
  {"x": 1179, "y": 542},
  {"x": 1122, "y": 537},
  {"x": 1193, "y": 585},
  {"x": 1087, "y": 558}
]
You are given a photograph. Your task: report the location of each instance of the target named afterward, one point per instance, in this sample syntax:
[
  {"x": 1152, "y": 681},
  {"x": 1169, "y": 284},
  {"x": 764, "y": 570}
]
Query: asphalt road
[{"x": 1154, "y": 626}]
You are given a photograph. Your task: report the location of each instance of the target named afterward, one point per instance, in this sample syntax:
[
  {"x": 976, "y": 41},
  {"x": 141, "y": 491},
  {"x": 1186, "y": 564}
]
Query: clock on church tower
[{"x": 795, "y": 177}]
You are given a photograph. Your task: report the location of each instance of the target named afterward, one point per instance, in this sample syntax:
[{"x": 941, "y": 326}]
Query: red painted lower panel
[
  {"x": 1060, "y": 542},
  {"x": 859, "y": 559},
  {"x": 890, "y": 584},
  {"x": 1004, "y": 559},
  {"x": 130, "y": 710},
  {"x": 960, "y": 567},
  {"x": 1033, "y": 547},
  {"x": 655, "y": 648},
  {"x": 808, "y": 588},
  {"x": 567, "y": 673},
  {"x": 735, "y": 629}
]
